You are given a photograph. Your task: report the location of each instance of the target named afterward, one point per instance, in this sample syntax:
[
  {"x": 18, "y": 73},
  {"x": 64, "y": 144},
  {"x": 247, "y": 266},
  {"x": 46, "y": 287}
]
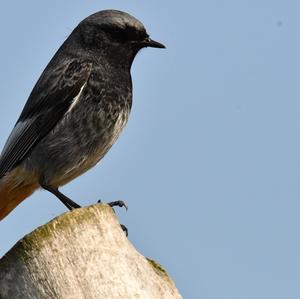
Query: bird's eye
[
  {"x": 124, "y": 34},
  {"x": 135, "y": 35},
  {"x": 118, "y": 34}
]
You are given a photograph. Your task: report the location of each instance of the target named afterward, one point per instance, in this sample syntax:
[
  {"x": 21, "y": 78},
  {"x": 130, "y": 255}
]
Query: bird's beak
[{"x": 148, "y": 42}]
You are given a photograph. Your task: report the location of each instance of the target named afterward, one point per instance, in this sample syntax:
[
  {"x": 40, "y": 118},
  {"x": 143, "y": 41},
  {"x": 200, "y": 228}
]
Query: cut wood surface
[{"x": 82, "y": 254}]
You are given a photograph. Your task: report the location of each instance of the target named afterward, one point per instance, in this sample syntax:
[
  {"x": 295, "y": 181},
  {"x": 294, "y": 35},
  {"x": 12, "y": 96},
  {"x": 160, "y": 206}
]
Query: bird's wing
[{"x": 50, "y": 99}]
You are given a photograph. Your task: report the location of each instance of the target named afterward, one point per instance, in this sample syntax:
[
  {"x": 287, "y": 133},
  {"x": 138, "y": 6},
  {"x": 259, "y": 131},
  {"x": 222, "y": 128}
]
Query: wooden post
[{"x": 81, "y": 254}]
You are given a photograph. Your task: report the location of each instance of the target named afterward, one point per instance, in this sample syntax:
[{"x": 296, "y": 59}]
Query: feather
[{"x": 44, "y": 110}]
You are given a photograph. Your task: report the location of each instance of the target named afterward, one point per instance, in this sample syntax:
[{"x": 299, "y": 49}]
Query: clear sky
[{"x": 209, "y": 162}]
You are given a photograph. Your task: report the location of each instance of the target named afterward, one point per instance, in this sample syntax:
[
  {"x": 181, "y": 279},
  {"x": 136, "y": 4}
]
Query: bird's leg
[{"x": 70, "y": 204}]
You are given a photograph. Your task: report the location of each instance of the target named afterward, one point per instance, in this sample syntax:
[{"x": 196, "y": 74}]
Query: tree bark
[{"x": 81, "y": 254}]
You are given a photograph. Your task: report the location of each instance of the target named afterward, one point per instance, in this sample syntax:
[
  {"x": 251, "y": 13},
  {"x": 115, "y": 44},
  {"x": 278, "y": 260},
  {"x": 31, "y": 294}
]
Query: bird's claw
[
  {"x": 125, "y": 230},
  {"x": 121, "y": 204},
  {"x": 118, "y": 203}
]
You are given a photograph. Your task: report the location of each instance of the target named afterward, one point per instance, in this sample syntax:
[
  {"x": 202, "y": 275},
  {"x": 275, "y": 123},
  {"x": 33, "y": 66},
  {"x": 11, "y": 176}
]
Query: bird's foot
[
  {"x": 118, "y": 203},
  {"x": 121, "y": 204}
]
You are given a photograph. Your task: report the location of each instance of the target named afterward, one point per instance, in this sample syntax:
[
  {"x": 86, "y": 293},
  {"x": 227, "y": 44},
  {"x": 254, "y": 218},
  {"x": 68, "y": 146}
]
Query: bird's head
[{"x": 114, "y": 33}]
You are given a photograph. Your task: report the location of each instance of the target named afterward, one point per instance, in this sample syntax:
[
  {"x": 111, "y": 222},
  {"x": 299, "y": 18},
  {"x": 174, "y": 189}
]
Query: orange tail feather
[
  {"x": 13, "y": 190},
  {"x": 9, "y": 199}
]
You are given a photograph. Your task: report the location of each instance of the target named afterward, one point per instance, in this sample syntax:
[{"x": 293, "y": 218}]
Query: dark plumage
[{"x": 76, "y": 110}]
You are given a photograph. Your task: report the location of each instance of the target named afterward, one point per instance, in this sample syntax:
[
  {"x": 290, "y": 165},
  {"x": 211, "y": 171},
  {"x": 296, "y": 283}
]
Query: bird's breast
[
  {"x": 92, "y": 143},
  {"x": 91, "y": 126},
  {"x": 94, "y": 125}
]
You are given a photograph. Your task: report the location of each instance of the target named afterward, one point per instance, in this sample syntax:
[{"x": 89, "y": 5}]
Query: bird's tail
[{"x": 14, "y": 188}]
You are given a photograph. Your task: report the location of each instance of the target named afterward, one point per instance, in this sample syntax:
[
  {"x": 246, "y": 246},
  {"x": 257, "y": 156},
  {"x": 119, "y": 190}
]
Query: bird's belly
[
  {"x": 89, "y": 158},
  {"x": 73, "y": 148}
]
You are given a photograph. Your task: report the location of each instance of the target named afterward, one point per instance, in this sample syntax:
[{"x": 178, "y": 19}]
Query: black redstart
[{"x": 76, "y": 110}]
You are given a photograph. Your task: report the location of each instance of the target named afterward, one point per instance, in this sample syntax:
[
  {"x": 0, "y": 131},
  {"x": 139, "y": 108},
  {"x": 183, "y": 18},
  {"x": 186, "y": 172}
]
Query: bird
[{"x": 76, "y": 110}]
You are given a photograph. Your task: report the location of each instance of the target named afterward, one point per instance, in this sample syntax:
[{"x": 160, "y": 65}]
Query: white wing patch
[{"x": 76, "y": 99}]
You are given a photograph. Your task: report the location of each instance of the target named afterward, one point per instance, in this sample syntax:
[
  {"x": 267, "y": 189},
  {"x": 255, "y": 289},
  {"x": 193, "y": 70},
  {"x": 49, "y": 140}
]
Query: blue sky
[{"x": 209, "y": 161}]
